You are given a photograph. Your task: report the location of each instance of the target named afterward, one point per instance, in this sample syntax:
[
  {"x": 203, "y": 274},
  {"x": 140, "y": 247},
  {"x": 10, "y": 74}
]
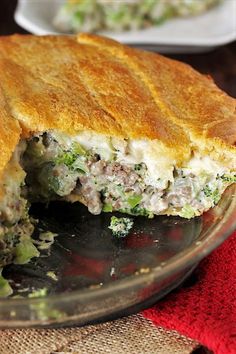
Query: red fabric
[{"x": 206, "y": 310}]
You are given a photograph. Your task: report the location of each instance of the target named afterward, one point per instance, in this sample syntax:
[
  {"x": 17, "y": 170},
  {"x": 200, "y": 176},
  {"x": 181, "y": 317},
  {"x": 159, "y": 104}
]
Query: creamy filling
[
  {"x": 119, "y": 175},
  {"x": 95, "y": 15},
  {"x": 13, "y": 205},
  {"x": 106, "y": 174},
  {"x": 16, "y": 226}
]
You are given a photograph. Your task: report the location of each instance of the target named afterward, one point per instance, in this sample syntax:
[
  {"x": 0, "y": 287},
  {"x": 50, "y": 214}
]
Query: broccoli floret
[
  {"x": 134, "y": 200},
  {"x": 73, "y": 161},
  {"x": 78, "y": 150},
  {"x": 207, "y": 191},
  {"x": 72, "y": 158},
  {"x": 228, "y": 178},
  {"x": 24, "y": 251},
  {"x": 5, "y": 287},
  {"x": 107, "y": 208},
  {"x": 67, "y": 158},
  {"x": 213, "y": 194},
  {"x": 140, "y": 211},
  {"x": 137, "y": 211},
  {"x": 187, "y": 212},
  {"x": 120, "y": 227},
  {"x": 138, "y": 167}
]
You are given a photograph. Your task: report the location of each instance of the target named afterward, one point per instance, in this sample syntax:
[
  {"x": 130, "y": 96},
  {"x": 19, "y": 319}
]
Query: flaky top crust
[
  {"x": 93, "y": 83},
  {"x": 10, "y": 132}
]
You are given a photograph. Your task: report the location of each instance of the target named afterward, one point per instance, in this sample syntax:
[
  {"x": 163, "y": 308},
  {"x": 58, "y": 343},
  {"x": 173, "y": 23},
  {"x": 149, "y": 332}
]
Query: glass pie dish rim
[{"x": 187, "y": 257}]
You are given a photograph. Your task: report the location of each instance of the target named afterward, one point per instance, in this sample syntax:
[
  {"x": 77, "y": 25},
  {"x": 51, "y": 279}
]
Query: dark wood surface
[{"x": 219, "y": 63}]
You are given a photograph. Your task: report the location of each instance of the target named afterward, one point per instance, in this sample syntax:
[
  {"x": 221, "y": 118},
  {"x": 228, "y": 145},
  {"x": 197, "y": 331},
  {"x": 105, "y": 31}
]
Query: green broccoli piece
[
  {"x": 138, "y": 167},
  {"x": 137, "y": 211},
  {"x": 140, "y": 211},
  {"x": 213, "y": 194},
  {"x": 228, "y": 178},
  {"x": 120, "y": 227},
  {"x": 78, "y": 150},
  {"x": 187, "y": 212},
  {"x": 24, "y": 251},
  {"x": 207, "y": 191},
  {"x": 73, "y": 159},
  {"x": 134, "y": 200},
  {"x": 107, "y": 208},
  {"x": 5, "y": 287},
  {"x": 67, "y": 158}
]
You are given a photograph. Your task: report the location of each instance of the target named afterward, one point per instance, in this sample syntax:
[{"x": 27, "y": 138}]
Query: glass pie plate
[{"x": 90, "y": 275}]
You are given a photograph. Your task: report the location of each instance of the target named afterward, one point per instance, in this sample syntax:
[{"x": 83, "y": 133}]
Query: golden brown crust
[
  {"x": 54, "y": 82},
  {"x": 39, "y": 78},
  {"x": 189, "y": 99},
  {"x": 93, "y": 83},
  {"x": 9, "y": 134}
]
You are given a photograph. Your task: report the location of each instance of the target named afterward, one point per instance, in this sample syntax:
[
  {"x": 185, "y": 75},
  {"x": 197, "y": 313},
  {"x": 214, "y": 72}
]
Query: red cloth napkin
[{"x": 205, "y": 311}]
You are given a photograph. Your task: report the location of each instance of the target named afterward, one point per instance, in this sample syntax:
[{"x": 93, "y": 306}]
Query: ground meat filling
[
  {"x": 108, "y": 184},
  {"x": 15, "y": 224},
  {"x": 45, "y": 168},
  {"x": 55, "y": 171}
]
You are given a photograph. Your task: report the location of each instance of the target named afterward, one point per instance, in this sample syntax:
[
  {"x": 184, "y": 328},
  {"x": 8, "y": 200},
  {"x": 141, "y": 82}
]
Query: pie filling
[
  {"x": 106, "y": 174},
  {"x": 96, "y": 15}
]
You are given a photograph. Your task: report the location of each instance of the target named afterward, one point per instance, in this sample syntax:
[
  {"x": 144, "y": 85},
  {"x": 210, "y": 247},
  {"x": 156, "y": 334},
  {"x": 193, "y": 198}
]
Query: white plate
[{"x": 200, "y": 33}]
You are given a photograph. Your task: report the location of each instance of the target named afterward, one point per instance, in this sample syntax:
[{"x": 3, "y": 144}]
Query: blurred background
[{"x": 199, "y": 32}]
